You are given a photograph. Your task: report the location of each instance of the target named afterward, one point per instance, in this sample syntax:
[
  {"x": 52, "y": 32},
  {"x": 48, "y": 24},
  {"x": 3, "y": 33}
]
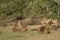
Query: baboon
[
  {"x": 41, "y": 29},
  {"x": 24, "y": 26},
  {"x": 47, "y": 31},
  {"x": 15, "y": 26}
]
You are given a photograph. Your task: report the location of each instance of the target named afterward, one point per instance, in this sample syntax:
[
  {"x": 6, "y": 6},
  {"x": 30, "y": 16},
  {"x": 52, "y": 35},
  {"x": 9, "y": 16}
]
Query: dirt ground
[{"x": 8, "y": 34}]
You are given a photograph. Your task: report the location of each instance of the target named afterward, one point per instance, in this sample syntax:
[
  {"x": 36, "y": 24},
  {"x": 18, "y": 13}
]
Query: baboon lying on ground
[{"x": 52, "y": 25}]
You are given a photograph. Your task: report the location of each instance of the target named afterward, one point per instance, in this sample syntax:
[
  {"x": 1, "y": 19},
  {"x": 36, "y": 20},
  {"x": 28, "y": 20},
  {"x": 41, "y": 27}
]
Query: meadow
[{"x": 7, "y": 34}]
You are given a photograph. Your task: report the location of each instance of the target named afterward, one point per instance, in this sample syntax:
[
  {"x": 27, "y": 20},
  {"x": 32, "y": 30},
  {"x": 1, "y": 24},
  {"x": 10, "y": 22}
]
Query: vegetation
[{"x": 11, "y": 9}]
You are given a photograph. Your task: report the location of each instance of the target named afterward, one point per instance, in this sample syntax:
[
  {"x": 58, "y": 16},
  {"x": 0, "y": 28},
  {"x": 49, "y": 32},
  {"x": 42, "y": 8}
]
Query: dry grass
[{"x": 8, "y": 34}]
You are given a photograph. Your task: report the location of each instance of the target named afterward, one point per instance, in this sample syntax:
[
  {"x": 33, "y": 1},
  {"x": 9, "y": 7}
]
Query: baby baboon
[
  {"x": 47, "y": 31},
  {"x": 41, "y": 29},
  {"x": 24, "y": 26}
]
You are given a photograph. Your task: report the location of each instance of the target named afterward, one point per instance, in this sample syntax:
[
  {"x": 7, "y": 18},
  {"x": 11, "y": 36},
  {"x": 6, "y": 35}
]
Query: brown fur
[
  {"x": 23, "y": 29},
  {"x": 15, "y": 29},
  {"x": 41, "y": 29},
  {"x": 47, "y": 31},
  {"x": 58, "y": 26},
  {"x": 54, "y": 27},
  {"x": 50, "y": 22},
  {"x": 15, "y": 26},
  {"x": 24, "y": 26}
]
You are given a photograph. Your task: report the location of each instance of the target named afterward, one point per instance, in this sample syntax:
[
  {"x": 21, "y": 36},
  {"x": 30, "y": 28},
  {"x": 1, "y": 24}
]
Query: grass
[{"x": 8, "y": 34}]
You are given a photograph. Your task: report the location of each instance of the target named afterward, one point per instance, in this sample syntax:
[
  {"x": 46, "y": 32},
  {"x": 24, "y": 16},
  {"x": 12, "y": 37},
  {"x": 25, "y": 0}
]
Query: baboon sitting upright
[{"x": 24, "y": 26}]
